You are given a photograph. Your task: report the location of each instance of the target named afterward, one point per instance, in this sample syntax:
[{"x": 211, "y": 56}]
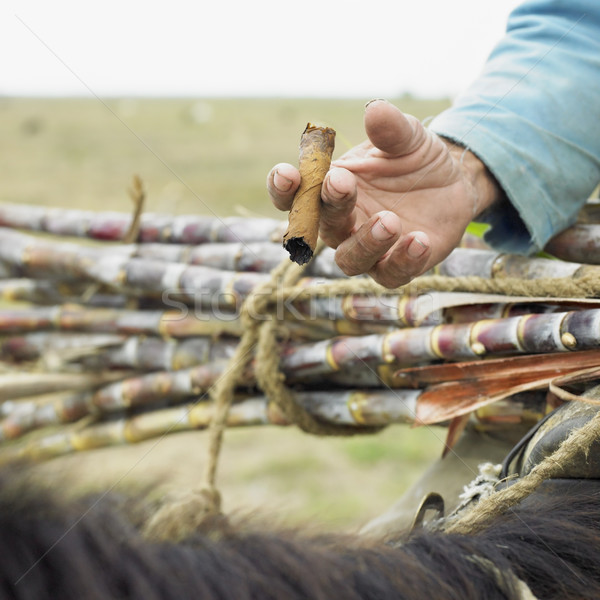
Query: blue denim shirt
[{"x": 533, "y": 117}]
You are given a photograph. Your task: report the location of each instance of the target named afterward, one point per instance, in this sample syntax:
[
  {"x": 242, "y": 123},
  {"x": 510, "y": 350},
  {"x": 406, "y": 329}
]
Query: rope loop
[{"x": 259, "y": 341}]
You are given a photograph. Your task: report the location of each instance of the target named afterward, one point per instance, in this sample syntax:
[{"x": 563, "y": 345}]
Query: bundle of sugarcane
[{"x": 107, "y": 343}]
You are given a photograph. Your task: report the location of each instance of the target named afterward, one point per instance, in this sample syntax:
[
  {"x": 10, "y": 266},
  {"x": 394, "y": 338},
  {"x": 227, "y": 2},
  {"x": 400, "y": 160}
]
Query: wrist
[{"x": 484, "y": 189}]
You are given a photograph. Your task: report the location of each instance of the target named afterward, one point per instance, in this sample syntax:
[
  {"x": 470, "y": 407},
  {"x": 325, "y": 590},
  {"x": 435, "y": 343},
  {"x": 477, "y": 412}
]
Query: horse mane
[{"x": 89, "y": 549}]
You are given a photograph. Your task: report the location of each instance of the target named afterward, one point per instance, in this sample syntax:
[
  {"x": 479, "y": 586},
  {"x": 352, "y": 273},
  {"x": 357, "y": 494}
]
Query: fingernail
[
  {"x": 383, "y": 229},
  {"x": 416, "y": 248},
  {"x": 283, "y": 184},
  {"x": 374, "y": 100}
]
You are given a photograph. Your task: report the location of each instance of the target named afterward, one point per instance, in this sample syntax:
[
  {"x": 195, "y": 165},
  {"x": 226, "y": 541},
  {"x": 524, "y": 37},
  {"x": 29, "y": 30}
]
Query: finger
[
  {"x": 282, "y": 182},
  {"x": 337, "y": 212},
  {"x": 404, "y": 262},
  {"x": 391, "y": 131},
  {"x": 362, "y": 250}
]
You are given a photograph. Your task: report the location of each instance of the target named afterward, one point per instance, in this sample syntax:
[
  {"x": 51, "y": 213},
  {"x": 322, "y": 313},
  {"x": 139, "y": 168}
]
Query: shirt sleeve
[{"x": 533, "y": 117}]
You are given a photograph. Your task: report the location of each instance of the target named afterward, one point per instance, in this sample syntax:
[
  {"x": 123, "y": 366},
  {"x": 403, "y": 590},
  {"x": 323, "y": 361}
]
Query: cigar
[{"x": 316, "y": 148}]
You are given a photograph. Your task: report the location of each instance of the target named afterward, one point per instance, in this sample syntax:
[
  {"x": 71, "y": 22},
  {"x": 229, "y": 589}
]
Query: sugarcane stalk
[
  {"x": 215, "y": 278},
  {"x": 154, "y": 354},
  {"x": 153, "y": 387},
  {"x": 21, "y": 384},
  {"x": 32, "y": 346},
  {"x": 217, "y": 289},
  {"x": 128, "y": 430},
  {"x": 45, "y": 259},
  {"x": 352, "y": 313},
  {"x": 350, "y": 408},
  {"x": 163, "y": 323},
  {"x": 184, "y": 229},
  {"x": 45, "y": 292},
  {"x": 193, "y": 229},
  {"x": 579, "y": 243},
  {"x": 202, "y": 285},
  {"x": 260, "y": 257},
  {"x": 490, "y": 264},
  {"x": 70, "y": 261},
  {"x": 182, "y": 323},
  {"x": 113, "y": 226},
  {"x": 103, "y": 351},
  {"x": 27, "y": 404},
  {"x": 254, "y": 411},
  {"x": 348, "y": 315},
  {"x": 133, "y": 392},
  {"x": 208, "y": 287},
  {"x": 23, "y": 415},
  {"x": 347, "y": 358},
  {"x": 532, "y": 333},
  {"x": 128, "y": 393},
  {"x": 198, "y": 230}
]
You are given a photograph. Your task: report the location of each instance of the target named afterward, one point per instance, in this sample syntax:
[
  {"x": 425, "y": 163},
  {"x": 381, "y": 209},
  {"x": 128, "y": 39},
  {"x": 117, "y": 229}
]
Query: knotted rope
[
  {"x": 177, "y": 518},
  {"x": 480, "y": 516}
]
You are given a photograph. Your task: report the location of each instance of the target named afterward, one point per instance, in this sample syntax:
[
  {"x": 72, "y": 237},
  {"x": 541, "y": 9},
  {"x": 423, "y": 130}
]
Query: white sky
[{"x": 366, "y": 48}]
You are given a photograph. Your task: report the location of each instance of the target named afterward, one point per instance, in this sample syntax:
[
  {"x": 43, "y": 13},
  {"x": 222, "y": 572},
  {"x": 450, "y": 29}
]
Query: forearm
[{"x": 529, "y": 119}]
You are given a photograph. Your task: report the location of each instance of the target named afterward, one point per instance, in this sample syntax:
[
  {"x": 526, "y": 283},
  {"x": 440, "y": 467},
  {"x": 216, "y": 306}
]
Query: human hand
[{"x": 397, "y": 204}]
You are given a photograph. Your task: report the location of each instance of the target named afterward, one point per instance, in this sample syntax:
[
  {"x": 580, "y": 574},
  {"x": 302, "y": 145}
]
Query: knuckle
[
  {"x": 331, "y": 239},
  {"x": 329, "y": 224},
  {"x": 338, "y": 228},
  {"x": 346, "y": 264},
  {"x": 400, "y": 277},
  {"x": 363, "y": 246},
  {"x": 384, "y": 281},
  {"x": 390, "y": 275}
]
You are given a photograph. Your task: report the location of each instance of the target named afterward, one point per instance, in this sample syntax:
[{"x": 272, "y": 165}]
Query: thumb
[{"x": 390, "y": 130}]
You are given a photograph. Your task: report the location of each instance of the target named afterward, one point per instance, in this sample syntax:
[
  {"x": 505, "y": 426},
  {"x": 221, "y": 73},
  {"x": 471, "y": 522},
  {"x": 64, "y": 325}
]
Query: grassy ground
[
  {"x": 201, "y": 156},
  {"x": 206, "y": 156}
]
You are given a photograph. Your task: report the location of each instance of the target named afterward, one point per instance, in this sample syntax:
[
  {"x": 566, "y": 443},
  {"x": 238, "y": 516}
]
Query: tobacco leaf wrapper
[{"x": 316, "y": 148}]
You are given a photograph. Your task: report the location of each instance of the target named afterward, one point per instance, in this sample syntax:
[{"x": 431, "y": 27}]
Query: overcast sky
[{"x": 366, "y": 48}]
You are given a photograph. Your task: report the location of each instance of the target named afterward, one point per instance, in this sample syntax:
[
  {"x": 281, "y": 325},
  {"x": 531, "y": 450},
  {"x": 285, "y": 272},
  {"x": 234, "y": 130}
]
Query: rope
[
  {"x": 476, "y": 519},
  {"x": 586, "y": 286},
  {"x": 175, "y": 519}
]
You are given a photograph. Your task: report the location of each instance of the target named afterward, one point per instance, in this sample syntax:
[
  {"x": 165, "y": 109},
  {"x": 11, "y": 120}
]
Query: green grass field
[{"x": 208, "y": 156}]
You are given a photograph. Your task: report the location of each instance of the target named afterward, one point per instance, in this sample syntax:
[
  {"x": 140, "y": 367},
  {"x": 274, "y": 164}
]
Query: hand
[{"x": 397, "y": 204}]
